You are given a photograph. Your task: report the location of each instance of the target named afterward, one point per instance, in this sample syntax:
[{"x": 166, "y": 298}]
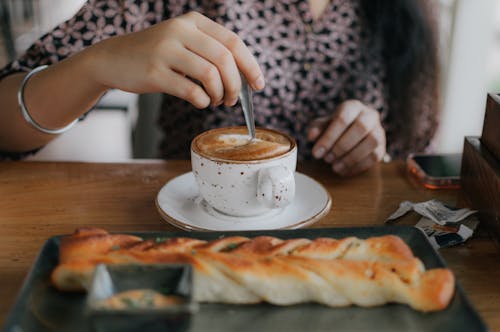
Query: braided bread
[{"x": 237, "y": 269}]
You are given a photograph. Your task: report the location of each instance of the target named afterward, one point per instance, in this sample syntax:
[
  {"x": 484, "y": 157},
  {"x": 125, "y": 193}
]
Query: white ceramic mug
[{"x": 246, "y": 188}]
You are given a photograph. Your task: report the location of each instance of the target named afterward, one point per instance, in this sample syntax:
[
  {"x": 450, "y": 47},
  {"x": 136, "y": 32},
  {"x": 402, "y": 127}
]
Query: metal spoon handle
[{"x": 247, "y": 105}]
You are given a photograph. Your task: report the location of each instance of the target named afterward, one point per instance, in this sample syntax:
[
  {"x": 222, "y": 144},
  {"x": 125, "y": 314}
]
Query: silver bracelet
[{"x": 27, "y": 116}]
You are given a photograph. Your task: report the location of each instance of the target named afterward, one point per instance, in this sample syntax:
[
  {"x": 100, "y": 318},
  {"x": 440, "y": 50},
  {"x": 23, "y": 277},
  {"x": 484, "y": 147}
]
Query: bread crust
[{"x": 236, "y": 269}]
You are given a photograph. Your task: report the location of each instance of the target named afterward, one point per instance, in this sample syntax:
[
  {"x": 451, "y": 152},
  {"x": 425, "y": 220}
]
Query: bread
[{"x": 237, "y": 269}]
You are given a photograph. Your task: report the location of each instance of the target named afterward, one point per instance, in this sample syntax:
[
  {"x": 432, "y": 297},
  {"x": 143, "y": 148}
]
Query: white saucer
[{"x": 180, "y": 204}]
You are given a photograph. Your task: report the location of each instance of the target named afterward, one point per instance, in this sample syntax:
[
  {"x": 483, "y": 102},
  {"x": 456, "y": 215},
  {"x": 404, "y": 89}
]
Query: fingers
[
  {"x": 217, "y": 57},
  {"x": 366, "y": 163},
  {"x": 192, "y": 65},
  {"x": 364, "y": 123},
  {"x": 352, "y": 141},
  {"x": 186, "y": 89},
  {"x": 223, "y": 68},
  {"x": 317, "y": 127},
  {"x": 244, "y": 59},
  {"x": 341, "y": 121},
  {"x": 371, "y": 148}
]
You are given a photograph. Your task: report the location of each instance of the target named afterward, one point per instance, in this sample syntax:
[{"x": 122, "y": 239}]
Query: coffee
[{"x": 235, "y": 144}]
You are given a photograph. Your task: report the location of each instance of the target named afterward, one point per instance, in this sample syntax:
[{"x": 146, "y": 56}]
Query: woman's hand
[
  {"x": 189, "y": 56},
  {"x": 352, "y": 140}
]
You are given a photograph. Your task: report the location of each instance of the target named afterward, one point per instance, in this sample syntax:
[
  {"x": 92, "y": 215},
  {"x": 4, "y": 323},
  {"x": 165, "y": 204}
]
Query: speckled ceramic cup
[{"x": 244, "y": 179}]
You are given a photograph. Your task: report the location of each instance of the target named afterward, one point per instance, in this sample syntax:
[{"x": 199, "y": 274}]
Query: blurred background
[{"x": 123, "y": 126}]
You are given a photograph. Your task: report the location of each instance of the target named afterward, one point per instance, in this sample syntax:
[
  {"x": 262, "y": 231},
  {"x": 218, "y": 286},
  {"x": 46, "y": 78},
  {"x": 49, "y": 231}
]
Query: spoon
[{"x": 247, "y": 105}]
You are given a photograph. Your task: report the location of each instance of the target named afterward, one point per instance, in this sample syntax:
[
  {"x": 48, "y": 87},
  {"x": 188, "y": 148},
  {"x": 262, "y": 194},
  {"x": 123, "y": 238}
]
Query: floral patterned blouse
[{"x": 310, "y": 65}]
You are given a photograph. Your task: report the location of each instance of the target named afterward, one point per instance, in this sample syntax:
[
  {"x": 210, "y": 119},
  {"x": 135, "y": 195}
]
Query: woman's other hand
[
  {"x": 190, "y": 56},
  {"x": 352, "y": 140}
]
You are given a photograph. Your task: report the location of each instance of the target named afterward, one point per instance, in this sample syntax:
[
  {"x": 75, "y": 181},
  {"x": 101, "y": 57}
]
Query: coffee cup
[{"x": 243, "y": 177}]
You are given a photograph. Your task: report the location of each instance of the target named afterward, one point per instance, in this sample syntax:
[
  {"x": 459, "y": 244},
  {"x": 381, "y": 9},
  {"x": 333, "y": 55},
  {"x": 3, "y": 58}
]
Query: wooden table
[{"x": 42, "y": 199}]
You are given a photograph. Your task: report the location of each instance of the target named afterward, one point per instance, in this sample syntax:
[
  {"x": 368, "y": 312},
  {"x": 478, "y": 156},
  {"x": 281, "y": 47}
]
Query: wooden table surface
[{"x": 42, "y": 199}]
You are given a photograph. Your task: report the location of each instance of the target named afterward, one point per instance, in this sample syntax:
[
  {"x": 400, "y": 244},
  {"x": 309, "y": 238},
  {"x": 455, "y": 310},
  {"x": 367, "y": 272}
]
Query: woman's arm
[
  {"x": 58, "y": 95},
  {"x": 189, "y": 56},
  {"x": 54, "y": 97}
]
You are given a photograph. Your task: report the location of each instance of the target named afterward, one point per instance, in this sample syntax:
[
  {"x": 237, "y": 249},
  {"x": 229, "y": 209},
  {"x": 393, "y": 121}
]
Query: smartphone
[{"x": 436, "y": 171}]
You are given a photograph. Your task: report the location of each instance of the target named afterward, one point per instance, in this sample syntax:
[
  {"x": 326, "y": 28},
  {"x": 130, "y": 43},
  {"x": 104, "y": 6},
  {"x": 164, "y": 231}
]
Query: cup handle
[{"x": 275, "y": 186}]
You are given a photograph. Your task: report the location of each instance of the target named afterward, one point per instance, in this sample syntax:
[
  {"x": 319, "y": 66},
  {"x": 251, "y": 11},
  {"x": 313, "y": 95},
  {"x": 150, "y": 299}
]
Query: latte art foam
[{"x": 235, "y": 144}]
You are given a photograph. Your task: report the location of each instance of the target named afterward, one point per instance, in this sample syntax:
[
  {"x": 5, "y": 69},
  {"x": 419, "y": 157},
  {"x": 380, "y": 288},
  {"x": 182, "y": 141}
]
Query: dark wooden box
[
  {"x": 490, "y": 136},
  {"x": 481, "y": 183},
  {"x": 481, "y": 168}
]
